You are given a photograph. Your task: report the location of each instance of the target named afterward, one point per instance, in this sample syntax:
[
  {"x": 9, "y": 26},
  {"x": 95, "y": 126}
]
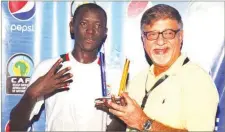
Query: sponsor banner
[{"x": 36, "y": 31}]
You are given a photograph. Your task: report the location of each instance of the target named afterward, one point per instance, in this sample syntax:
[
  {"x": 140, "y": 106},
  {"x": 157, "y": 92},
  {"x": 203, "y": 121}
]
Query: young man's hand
[{"x": 51, "y": 81}]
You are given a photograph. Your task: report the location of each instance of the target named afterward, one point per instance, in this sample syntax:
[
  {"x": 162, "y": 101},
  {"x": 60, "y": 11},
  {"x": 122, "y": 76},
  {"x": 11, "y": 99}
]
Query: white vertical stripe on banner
[
  {"x": 108, "y": 41},
  {"x": 5, "y": 23},
  {"x": 37, "y": 38},
  {"x": 132, "y": 46},
  {"x": 2, "y": 58},
  {"x": 205, "y": 34},
  {"x": 55, "y": 31},
  {"x": 69, "y": 43}
]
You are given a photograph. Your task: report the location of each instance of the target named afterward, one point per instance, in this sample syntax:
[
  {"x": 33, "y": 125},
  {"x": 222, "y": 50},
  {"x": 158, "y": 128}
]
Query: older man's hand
[{"x": 131, "y": 114}]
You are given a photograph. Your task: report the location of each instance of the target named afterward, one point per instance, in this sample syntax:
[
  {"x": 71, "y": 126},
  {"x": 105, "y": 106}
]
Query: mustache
[{"x": 92, "y": 39}]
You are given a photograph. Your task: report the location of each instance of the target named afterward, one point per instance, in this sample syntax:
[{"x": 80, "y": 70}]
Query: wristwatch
[{"x": 147, "y": 125}]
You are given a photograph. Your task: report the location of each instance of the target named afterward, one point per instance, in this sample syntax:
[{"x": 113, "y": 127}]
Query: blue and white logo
[{"x": 22, "y": 10}]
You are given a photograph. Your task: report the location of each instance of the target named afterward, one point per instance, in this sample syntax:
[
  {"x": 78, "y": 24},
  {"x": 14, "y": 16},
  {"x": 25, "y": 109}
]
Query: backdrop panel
[{"x": 35, "y": 31}]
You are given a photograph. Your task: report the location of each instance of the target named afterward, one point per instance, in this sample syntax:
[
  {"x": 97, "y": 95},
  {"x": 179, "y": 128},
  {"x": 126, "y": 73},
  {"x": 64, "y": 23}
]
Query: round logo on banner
[
  {"x": 136, "y": 7},
  {"x": 20, "y": 65},
  {"x": 19, "y": 69},
  {"x": 22, "y": 10},
  {"x": 7, "y": 127}
]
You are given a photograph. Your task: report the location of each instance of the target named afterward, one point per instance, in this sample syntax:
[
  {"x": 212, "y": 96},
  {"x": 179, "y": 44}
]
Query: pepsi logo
[
  {"x": 7, "y": 127},
  {"x": 136, "y": 7},
  {"x": 22, "y": 10}
]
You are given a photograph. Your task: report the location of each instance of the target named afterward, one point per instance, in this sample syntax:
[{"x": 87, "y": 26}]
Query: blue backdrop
[{"x": 35, "y": 31}]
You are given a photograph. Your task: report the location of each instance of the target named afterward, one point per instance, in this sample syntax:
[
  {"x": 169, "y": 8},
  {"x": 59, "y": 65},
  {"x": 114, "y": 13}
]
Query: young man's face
[
  {"x": 163, "y": 52},
  {"x": 89, "y": 29}
]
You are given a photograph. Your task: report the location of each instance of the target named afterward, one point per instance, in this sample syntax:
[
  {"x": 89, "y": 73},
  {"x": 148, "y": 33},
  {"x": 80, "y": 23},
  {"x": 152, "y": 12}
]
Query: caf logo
[{"x": 19, "y": 69}]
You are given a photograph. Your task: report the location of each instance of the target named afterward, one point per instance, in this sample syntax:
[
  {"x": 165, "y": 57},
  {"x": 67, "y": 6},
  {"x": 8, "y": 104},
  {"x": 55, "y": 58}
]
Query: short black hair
[
  {"x": 91, "y": 6},
  {"x": 161, "y": 11}
]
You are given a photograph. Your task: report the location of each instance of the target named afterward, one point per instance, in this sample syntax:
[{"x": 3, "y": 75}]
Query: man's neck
[
  {"x": 160, "y": 69},
  {"x": 84, "y": 57}
]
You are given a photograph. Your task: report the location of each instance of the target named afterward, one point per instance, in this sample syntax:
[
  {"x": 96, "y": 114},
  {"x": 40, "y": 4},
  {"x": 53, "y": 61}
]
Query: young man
[
  {"x": 174, "y": 94},
  {"x": 68, "y": 86}
]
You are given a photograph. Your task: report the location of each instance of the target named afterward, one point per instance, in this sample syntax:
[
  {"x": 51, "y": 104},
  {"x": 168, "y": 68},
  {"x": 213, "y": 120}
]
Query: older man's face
[{"x": 163, "y": 52}]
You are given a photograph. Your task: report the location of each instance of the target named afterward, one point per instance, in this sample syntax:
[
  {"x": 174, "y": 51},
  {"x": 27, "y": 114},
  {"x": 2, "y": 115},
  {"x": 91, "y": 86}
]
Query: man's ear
[
  {"x": 181, "y": 38},
  {"x": 142, "y": 40},
  {"x": 106, "y": 31},
  {"x": 181, "y": 35},
  {"x": 102, "y": 42},
  {"x": 71, "y": 28},
  {"x": 105, "y": 37}
]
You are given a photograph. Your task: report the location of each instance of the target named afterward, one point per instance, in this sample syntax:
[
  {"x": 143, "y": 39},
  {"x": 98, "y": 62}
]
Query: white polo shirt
[
  {"x": 187, "y": 99},
  {"x": 73, "y": 110}
]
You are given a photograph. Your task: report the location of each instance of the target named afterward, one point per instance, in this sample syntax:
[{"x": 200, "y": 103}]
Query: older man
[{"x": 173, "y": 94}]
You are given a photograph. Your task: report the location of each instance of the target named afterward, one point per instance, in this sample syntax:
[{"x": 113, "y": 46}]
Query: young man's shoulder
[
  {"x": 44, "y": 66},
  {"x": 51, "y": 61},
  {"x": 48, "y": 62}
]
